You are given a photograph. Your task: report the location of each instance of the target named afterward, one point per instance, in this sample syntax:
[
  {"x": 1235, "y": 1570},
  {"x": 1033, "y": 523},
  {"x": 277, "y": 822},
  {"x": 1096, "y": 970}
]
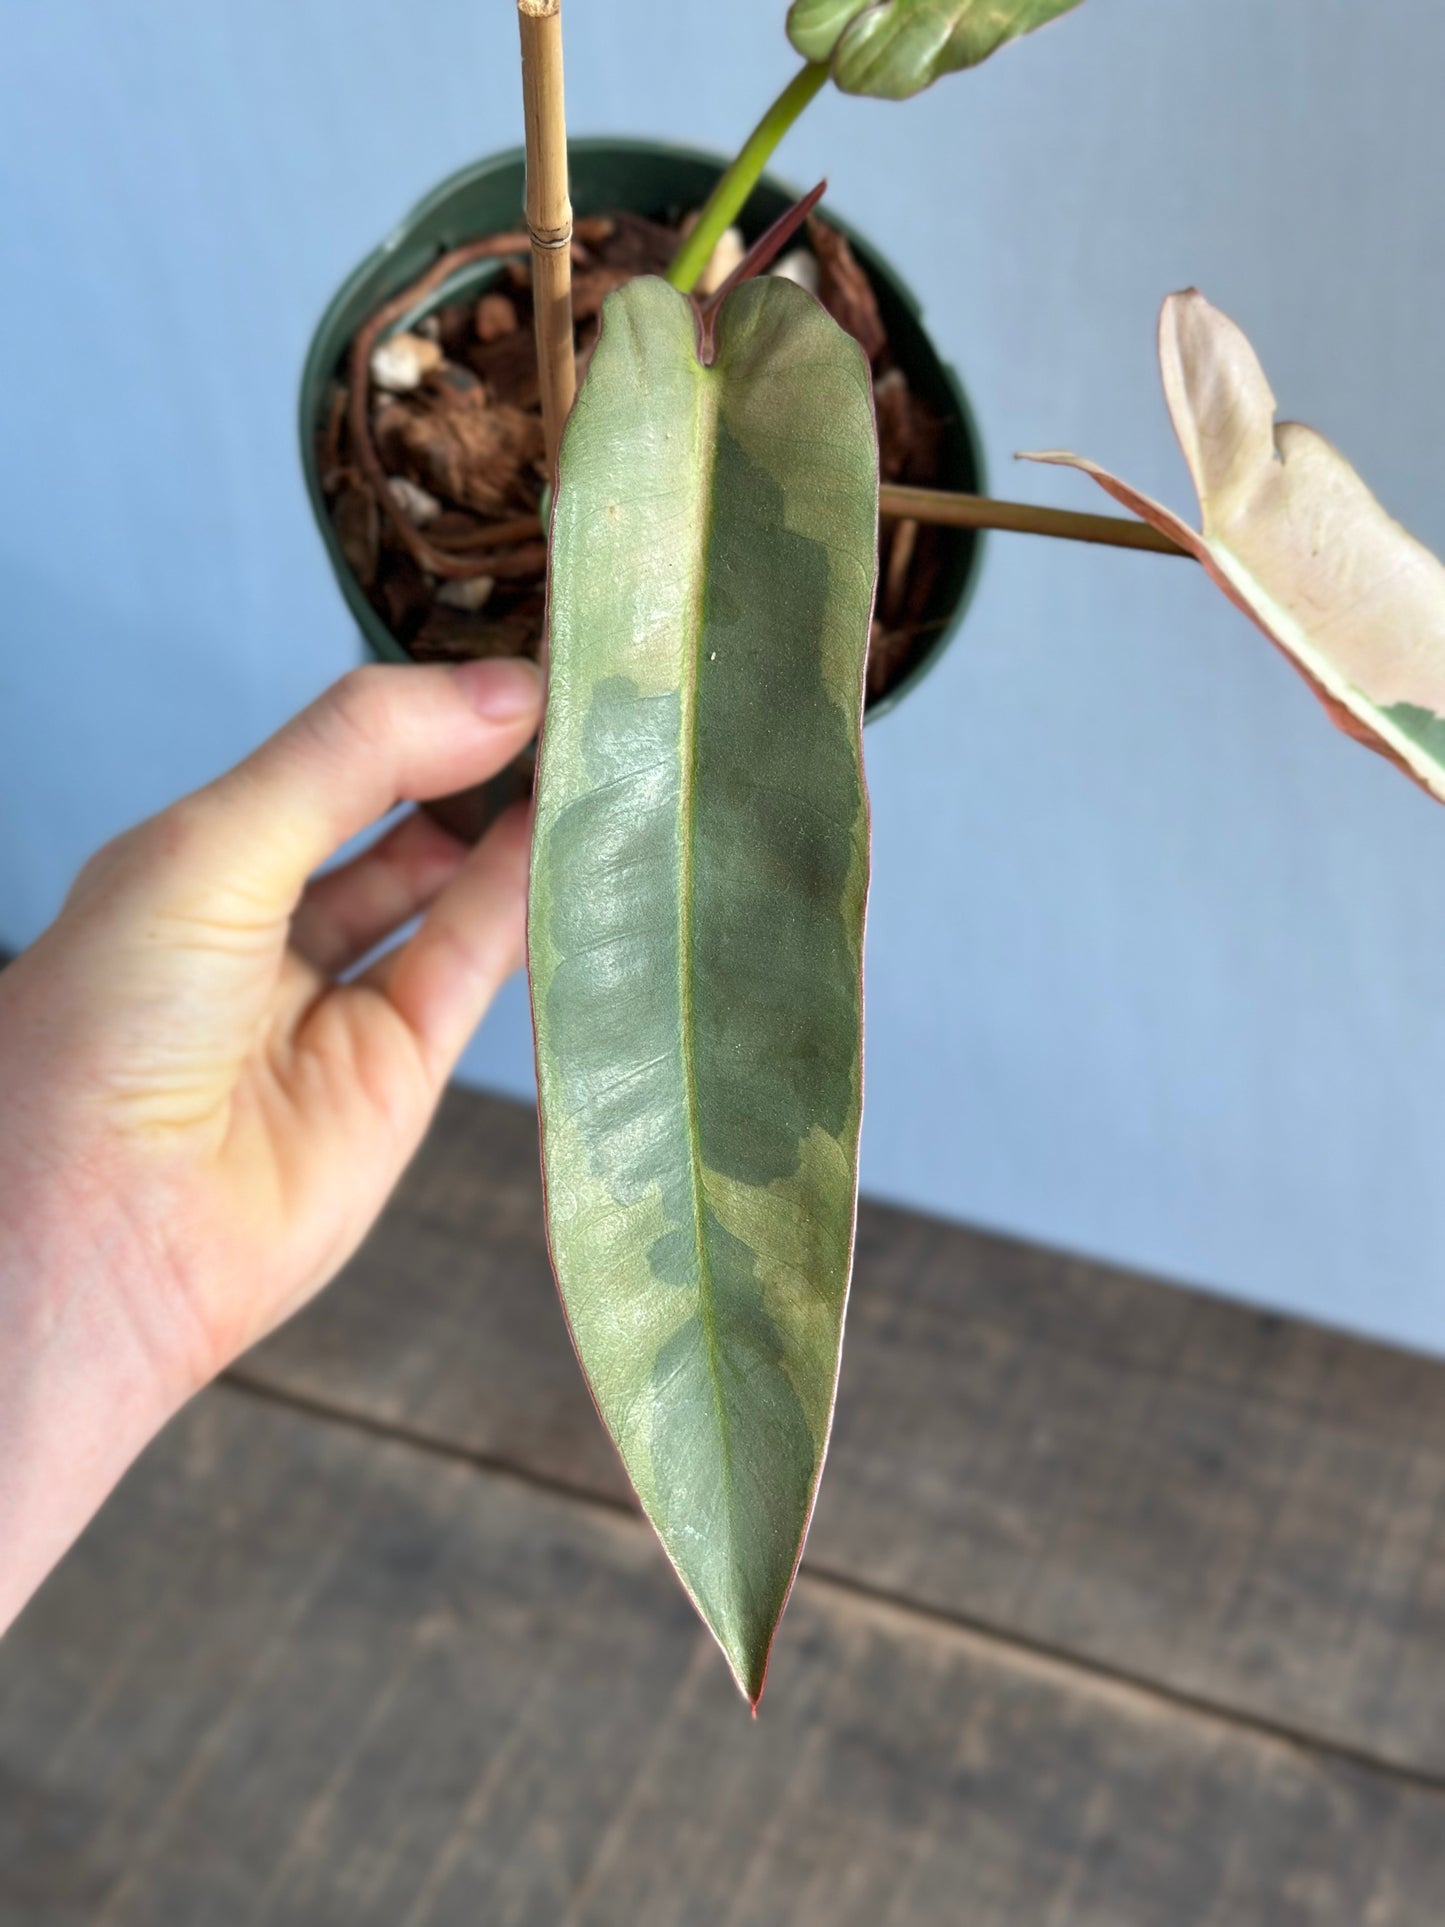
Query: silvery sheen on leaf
[
  {"x": 699, "y": 874},
  {"x": 1296, "y": 540}
]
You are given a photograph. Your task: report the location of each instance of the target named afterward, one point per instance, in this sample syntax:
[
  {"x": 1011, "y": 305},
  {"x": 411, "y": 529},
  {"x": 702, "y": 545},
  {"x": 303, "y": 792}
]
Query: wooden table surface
[{"x": 1123, "y": 1608}]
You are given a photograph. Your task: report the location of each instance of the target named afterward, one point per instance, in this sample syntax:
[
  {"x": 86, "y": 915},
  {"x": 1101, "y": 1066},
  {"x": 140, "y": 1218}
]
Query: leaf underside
[
  {"x": 894, "y": 48},
  {"x": 1297, "y": 541},
  {"x": 699, "y": 874}
]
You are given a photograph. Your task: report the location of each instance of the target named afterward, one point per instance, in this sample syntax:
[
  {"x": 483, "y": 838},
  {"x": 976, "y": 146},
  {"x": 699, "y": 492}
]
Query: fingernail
[{"x": 502, "y": 688}]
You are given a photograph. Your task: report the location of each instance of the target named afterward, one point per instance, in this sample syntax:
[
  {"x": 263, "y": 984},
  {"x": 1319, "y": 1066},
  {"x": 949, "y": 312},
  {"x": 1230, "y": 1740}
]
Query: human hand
[{"x": 200, "y": 1122}]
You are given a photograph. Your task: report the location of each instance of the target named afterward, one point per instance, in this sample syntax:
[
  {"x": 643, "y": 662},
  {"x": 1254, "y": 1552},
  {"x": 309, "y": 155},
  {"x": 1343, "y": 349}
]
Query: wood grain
[
  {"x": 1237, "y": 1508},
  {"x": 297, "y": 1675}
]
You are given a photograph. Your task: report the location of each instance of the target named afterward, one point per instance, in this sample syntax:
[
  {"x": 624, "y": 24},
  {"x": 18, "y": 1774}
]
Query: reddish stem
[{"x": 426, "y": 555}]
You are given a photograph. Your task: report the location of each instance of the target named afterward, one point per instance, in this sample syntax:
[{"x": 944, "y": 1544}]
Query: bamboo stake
[
  {"x": 549, "y": 212},
  {"x": 978, "y": 512}
]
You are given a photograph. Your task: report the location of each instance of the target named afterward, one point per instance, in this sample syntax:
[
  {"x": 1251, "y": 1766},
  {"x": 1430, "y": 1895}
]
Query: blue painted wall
[{"x": 1155, "y": 963}]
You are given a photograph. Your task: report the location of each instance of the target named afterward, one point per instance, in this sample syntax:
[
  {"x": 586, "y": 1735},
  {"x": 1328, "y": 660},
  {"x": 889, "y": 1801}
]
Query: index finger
[{"x": 382, "y": 735}]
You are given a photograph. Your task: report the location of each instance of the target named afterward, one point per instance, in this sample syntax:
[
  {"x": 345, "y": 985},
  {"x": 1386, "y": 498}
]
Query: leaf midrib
[
  {"x": 709, "y": 411},
  {"x": 1299, "y": 642}
]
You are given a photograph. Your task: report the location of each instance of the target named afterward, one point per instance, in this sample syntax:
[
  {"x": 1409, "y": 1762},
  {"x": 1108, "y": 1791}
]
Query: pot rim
[{"x": 319, "y": 367}]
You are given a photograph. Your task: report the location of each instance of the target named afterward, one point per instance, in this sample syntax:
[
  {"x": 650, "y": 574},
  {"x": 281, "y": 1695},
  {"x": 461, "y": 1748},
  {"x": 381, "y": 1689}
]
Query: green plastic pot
[{"x": 662, "y": 182}]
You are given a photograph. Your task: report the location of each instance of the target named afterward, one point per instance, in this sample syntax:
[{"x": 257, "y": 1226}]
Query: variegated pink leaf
[{"x": 1296, "y": 540}]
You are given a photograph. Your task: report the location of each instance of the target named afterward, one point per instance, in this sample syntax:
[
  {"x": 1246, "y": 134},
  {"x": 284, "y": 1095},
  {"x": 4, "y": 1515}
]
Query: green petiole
[{"x": 729, "y": 197}]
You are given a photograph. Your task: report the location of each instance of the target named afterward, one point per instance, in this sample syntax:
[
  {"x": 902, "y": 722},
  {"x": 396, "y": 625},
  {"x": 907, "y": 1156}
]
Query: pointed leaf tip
[
  {"x": 1296, "y": 540},
  {"x": 700, "y": 865}
]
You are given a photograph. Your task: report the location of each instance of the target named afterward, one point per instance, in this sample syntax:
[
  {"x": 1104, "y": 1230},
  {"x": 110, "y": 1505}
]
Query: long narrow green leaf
[
  {"x": 894, "y": 48},
  {"x": 699, "y": 870}
]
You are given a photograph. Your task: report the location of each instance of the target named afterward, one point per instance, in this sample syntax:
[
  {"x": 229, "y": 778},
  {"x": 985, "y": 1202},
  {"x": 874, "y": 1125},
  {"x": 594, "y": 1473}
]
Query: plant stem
[
  {"x": 549, "y": 213},
  {"x": 729, "y": 197},
  {"x": 943, "y": 510},
  {"x": 978, "y": 512}
]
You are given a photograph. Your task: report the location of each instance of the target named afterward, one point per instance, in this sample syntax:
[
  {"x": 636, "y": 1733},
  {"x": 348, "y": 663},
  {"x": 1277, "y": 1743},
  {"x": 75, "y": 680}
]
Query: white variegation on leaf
[{"x": 1296, "y": 540}]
